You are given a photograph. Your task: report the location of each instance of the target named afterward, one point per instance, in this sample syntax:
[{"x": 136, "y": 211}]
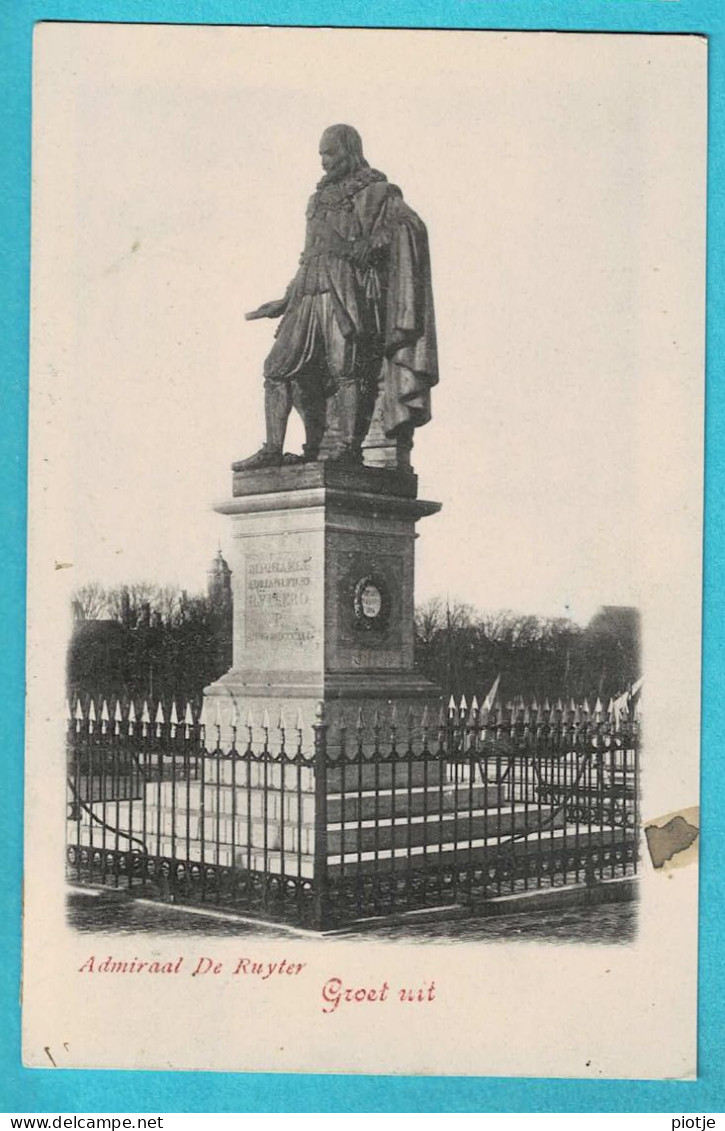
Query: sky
[{"x": 561, "y": 179}]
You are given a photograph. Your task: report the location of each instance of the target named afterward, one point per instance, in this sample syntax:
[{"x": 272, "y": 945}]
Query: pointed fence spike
[
  {"x": 464, "y": 705},
  {"x": 250, "y": 719},
  {"x": 79, "y": 712},
  {"x": 131, "y": 713},
  {"x": 188, "y": 715},
  {"x": 300, "y": 721},
  {"x": 92, "y": 712},
  {"x": 451, "y": 705},
  {"x": 282, "y": 724},
  {"x": 145, "y": 714},
  {"x": 173, "y": 720},
  {"x": 474, "y": 703},
  {"x": 424, "y": 717},
  {"x": 265, "y": 720},
  {"x": 117, "y": 715},
  {"x": 159, "y": 713},
  {"x": 360, "y": 719}
]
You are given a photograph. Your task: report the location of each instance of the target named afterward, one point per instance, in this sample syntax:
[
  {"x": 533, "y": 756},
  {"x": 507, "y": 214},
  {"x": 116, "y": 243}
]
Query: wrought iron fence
[{"x": 344, "y": 823}]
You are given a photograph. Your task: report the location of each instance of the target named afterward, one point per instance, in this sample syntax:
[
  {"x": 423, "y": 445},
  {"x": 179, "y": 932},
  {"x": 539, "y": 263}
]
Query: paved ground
[{"x": 112, "y": 913}]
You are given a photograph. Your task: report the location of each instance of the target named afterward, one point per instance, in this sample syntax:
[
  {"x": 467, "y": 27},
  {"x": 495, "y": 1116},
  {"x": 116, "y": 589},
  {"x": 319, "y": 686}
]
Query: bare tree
[
  {"x": 430, "y": 620},
  {"x": 167, "y": 600},
  {"x": 90, "y": 601},
  {"x": 132, "y": 605}
]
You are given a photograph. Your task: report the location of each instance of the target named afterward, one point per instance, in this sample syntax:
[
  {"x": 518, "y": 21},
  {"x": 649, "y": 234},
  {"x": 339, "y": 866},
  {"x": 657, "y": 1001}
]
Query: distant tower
[
  {"x": 219, "y": 584},
  {"x": 219, "y": 589}
]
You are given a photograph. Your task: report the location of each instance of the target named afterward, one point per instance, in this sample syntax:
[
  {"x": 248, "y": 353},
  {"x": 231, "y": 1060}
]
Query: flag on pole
[
  {"x": 491, "y": 697},
  {"x": 623, "y": 704}
]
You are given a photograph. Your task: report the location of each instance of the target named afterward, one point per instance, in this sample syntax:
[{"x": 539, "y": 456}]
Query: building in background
[
  {"x": 151, "y": 641},
  {"x": 219, "y": 593}
]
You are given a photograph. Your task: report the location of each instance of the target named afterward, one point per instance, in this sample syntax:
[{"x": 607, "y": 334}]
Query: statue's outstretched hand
[{"x": 268, "y": 310}]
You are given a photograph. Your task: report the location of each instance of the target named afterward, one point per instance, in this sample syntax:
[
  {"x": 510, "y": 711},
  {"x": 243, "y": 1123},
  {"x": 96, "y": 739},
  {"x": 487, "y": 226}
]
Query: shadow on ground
[{"x": 113, "y": 913}]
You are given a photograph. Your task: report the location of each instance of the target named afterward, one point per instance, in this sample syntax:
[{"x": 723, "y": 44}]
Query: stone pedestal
[{"x": 323, "y": 586}]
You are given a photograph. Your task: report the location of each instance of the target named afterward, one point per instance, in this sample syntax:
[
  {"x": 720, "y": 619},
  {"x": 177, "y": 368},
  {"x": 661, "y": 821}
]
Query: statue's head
[{"x": 341, "y": 151}]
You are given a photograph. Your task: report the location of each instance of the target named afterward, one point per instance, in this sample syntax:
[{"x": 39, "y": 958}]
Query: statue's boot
[
  {"x": 348, "y": 453},
  {"x": 263, "y": 458},
  {"x": 309, "y": 400},
  {"x": 277, "y": 406}
]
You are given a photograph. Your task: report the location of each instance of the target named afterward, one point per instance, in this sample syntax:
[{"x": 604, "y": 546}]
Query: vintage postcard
[{"x": 365, "y": 533}]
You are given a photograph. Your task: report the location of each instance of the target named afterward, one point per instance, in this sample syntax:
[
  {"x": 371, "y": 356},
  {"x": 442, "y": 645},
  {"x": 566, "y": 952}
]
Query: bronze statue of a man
[{"x": 357, "y": 319}]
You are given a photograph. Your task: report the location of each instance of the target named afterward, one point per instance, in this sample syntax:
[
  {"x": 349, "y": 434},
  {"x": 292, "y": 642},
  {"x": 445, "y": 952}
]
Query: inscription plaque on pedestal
[{"x": 278, "y": 600}]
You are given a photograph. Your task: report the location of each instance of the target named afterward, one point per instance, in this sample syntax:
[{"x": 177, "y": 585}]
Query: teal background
[{"x": 23, "y": 1090}]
